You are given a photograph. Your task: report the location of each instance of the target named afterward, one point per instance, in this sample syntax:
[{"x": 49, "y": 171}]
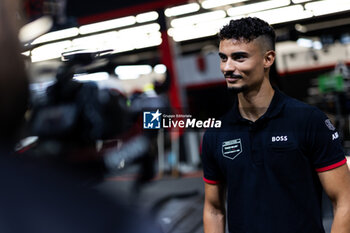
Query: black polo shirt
[{"x": 270, "y": 166}]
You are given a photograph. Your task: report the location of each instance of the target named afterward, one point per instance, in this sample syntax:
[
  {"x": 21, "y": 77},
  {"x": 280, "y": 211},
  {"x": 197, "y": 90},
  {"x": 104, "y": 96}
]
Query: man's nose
[{"x": 229, "y": 65}]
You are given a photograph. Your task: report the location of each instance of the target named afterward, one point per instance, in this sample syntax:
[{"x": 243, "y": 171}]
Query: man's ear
[{"x": 269, "y": 58}]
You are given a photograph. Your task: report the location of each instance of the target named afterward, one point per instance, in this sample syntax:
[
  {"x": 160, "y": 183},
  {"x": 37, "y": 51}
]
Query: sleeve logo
[
  {"x": 329, "y": 125},
  {"x": 335, "y": 136}
]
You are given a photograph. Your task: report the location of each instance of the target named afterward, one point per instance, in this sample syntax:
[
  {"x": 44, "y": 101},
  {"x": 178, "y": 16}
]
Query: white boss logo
[{"x": 279, "y": 138}]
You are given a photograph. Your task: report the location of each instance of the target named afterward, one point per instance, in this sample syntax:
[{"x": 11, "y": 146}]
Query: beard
[{"x": 236, "y": 90}]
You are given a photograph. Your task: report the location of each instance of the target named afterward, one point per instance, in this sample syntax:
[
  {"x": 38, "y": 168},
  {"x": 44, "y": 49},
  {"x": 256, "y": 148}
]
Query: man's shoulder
[{"x": 298, "y": 107}]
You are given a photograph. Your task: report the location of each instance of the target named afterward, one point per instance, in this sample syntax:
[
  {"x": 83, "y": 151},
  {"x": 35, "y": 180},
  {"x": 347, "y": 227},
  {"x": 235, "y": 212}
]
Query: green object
[{"x": 331, "y": 83}]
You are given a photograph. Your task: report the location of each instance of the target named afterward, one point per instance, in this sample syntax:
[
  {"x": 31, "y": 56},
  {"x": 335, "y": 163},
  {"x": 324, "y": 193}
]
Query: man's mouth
[{"x": 232, "y": 78}]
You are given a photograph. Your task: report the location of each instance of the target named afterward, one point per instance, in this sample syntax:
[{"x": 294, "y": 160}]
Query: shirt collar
[{"x": 275, "y": 107}]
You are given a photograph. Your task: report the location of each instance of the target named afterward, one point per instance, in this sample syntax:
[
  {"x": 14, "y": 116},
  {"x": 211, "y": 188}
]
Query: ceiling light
[
  {"x": 147, "y": 17},
  {"x": 216, "y": 3},
  {"x": 255, "y": 7},
  {"x": 98, "y": 76},
  {"x": 193, "y": 32},
  {"x": 26, "y": 53},
  {"x": 182, "y": 9},
  {"x": 149, "y": 40},
  {"x": 194, "y": 19},
  {"x": 122, "y": 44},
  {"x": 98, "y": 41},
  {"x": 106, "y": 25},
  {"x": 160, "y": 69},
  {"x": 328, "y": 6},
  {"x": 303, "y": 42},
  {"x": 308, "y": 43},
  {"x": 300, "y": 28},
  {"x": 200, "y": 30},
  {"x": 50, "y": 51},
  {"x": 57, "y": 35},
  {"x": 285, "y": 14},
  {"x": 136, "y": 31},
  {"x": 300, "y": 1},
  {"x": 35, "y": 29},
  {"x": 132, "y": 71},
  {"x": 317, "y": 45}
]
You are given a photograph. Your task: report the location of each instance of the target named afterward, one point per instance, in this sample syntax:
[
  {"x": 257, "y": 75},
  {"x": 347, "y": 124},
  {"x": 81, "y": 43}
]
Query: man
[{"x": 273, "y": 154}]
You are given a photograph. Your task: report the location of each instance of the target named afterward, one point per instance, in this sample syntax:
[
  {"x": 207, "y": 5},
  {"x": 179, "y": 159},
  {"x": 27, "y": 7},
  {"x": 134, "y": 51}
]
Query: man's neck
[{"x": 253, "y": 104}]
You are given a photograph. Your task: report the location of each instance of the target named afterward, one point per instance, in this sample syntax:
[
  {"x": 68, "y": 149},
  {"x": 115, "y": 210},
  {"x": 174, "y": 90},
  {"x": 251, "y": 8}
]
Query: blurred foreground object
[
  {"x": 13, "y": 79},
  {"x": 36, "y": 198}
]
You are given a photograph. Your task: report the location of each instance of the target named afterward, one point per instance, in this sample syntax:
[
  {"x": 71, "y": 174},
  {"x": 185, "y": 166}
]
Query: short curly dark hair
[{"x": 248, "y": 29}]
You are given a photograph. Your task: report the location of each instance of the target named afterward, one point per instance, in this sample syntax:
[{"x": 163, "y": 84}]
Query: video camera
[
  {"x": 76, "y": 111},
  {"x": 74, "y": 115}
]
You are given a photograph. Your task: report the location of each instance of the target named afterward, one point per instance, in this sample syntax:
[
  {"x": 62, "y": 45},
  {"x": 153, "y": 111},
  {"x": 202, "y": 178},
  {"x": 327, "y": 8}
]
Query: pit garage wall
[
  {"x": 292, "y": 58},
  {"x": 202, "y": 70},
  {"x": 198, "y": 69}
]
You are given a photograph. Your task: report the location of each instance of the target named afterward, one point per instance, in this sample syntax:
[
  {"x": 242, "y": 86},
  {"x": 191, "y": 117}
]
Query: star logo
[
  {"x": 151, "y": 120},
  {"x": 156, "y": 115}
]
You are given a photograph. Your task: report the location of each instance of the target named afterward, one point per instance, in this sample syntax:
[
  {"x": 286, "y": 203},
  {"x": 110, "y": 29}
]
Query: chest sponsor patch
[{"x": 231, "y": 149}]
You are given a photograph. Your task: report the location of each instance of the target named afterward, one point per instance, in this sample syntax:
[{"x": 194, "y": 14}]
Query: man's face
[{"x": 242, "y": 64}]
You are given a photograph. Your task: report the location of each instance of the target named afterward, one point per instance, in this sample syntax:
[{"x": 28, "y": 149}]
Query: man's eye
[
  {"x": 222, "y": 58},
  {"x": 239, "y": 58}
]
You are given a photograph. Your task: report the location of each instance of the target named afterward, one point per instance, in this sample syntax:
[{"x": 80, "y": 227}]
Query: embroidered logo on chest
[
  {"x": 279, "y": 139},
  {"x": 231, "y": 149}
]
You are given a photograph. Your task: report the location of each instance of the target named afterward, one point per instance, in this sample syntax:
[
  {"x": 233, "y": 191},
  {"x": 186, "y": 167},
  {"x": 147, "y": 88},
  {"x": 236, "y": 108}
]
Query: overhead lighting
[
  {"x": 149, "y": 40},
  {"x": 123, "y": 40},
  {"x": 140, "y": 37},
  {"x": 216, "y": 3},
  {"x": 300, "y": 1},
  {"x": 200, "y": 30},
  {"x": 57, "y": 35},
  {"x": 50, "y": 51},
  {"x": 328, "y": 6},
  {"x": 132, "y": 40},
  {"x": 132, "y": 71},
  {"x": 160, "y": 69},
  {"x": 120, "y": 49},
  {"x": 99, "y": 41},
  {"x": 255, "y": 7},
  {"x": 317, "y": 45},
  {"x": 35, "y": 29},
  {"x": 99, "y": 76},
  {"x": 307, "y": 43},
  {"x": 182, "y": 9},
  {"x": 147, "y": 17},
  {"x": 26, "y": 53},
  {"x": 107, "y": 25},
  {"x": 303, "y": 42},
  {"x": 285, "y": 14},
  {"x": 182, "y": 34},
  {"x": 300, "y": 28},
  {"x": 194, "y": 19},
  {"x": 136, "y": 31}
]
